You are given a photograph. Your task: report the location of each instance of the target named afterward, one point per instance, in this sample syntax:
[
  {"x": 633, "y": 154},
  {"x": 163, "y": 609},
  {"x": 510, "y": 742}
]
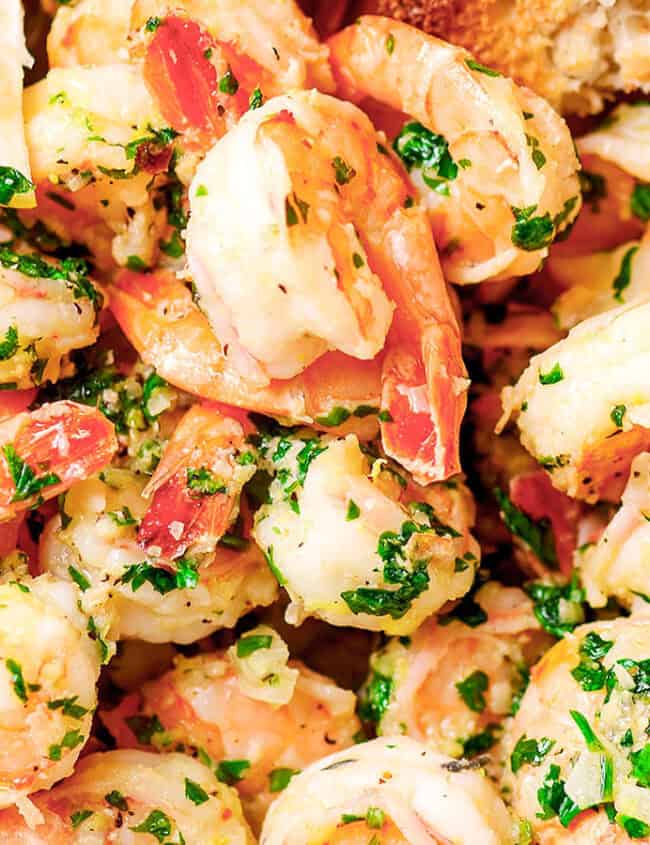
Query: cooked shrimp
[
  {"x": 96, "y": 140},
  {"x": 312, "y": 243},
  {"x": 91, "y": 32},
  {"x": 46, "y": 311},
  {"x": 50, "y": 666},
  {"x": 394, "y": 790},
  {"x": 492, "y": 162},
  {"x": 574, "y": 54},
  {"x": 145, "y": 594},
  {"x": 233, "y": 56},
  {"x": 132, "y": 798},
  {"x": 157, "y": 314},
  {"x": 598, "y": 282},
  {"x": 355, "y": 543},
  {"x": 46, "y": 451},
  {"x": 617, "y": 564},
  {"x": 306, "y": 276},
  {"x": 195, "y": 489},
  {"x": 582, "y": 405},
  {"x": 606, "y": 218},
  {"x": 16, "y": 188},
  {"x": 275, "y": 42},
  {"x": 623, "y": 139},
  {"x": 246, "y": 711},
  {"x": 454, "y": 683},
  {"x": 577, "y": 748}
]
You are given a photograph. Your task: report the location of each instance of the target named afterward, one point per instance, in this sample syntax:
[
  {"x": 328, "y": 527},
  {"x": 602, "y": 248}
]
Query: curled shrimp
[
  {"x": 233, "y": 56},
  {"x": 492, "y": 162},
  {"x": 394, "y": 789},
  {"x": 99, "y": 146},
  {"x": 595, "y": 376},
  {"x": 573, "y": 751},
  {"x": 341, "y": 237},
  {"x": 92, "y": 32},
  {"x": 209, "y": 703},
  {"x": 46, "y": 451},
  {"x": 621, "y": 138},
  {"x": 16, "y": 188},
  {"x": 616, "y": 564},
  {"x": 596, "y": 283},
  {"x": 144, "y": 593},
  {"x": 133, "y": 796},
  {"x": 159, "y": 317},
  {"x": 49, "y": 666},
  {"x": 606, "y": 219},
  {"x": 453, "y": 684},
  {"x": 196, "y": 485},
  {"x": 47, "y": 310},
  {"x": 355, "y": 543}
]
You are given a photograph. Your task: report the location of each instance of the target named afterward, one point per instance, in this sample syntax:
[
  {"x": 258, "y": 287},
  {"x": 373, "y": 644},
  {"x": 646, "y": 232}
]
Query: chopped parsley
[
  {"x": 343, "y": 173},
  {"x": 79, "y": 817},
  {"x": 17, "y": 679},
  {"x": 538, "y": 536},
  {"x": 394, "y": 603},
  {"x": 553, "y": 799},
  {"x": 122, "y": 517},
  {"x": 195, "y": 793},
  {"x": 479, "y": 68},
  {"x": 590, "y": 738},
  {"x": 256, "y": 100},
  {"x": 232, "y": 771},
  {"x": 71, "y": 739},
  {"x": 157, "y": 823},
  {"x": 228, "y": 84},
  {"x": 68, "y": 707},
  {"x": 337, "y": 416},
  {"x": 12, "y": 182},
  {"x": 635, "y": 828},
  {"x": 624, "y": 275},
  {"x": 279, "y": 779},
  {"x": 114, "y": 798},
  {"x": 390, "y": 43},
  {"x": 353, "y": 511},
  {"x": 375, "y": 697},
  {"x": 480, "y": 742},
  {"x": 532, "y": 233},
  {"x": 9, "y": 346},
  {"x": 152, "y": 24},
  {"x": 590, "y": 672},
  {"x": 558, "y": 609},
  {"x": 553, "y": 376},
  {"x": 143, "y": 728},
  {"x": 162, "y": 580},
  {"x": 156, "y": 137},
  {"x": 72, "y": 271},
  {"x": 203, "y": 482},
  {"x": 640, "y": 201},
  {"x": 419, "y": 147},
  {"x": 617, "y": 414},
  {"x": 529, "y": 752},
  {"x": 26, "y": 483},
  {"x": 247, "y": 645},
  {"x": 471, "y": 690}
]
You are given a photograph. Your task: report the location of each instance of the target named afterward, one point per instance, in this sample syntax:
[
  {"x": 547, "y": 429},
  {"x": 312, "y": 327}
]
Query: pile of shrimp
[{"x": 324, "y": 437}]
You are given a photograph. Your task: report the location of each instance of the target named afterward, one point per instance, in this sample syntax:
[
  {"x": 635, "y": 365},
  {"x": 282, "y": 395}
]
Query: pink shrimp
[{"x": 47, "y": 450}]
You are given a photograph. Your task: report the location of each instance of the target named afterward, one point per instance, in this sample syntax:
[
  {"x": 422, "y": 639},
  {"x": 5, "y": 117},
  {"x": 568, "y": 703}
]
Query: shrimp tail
[
  {"x": 424, "y": 393},
  {"x": 424, "y": 381},
  {"x": 195, "y": 493}
]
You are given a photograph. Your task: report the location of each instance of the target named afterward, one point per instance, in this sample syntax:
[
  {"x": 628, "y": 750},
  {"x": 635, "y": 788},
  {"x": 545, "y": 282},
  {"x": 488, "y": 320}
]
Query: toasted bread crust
[{"x": 565, "y": 50}]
